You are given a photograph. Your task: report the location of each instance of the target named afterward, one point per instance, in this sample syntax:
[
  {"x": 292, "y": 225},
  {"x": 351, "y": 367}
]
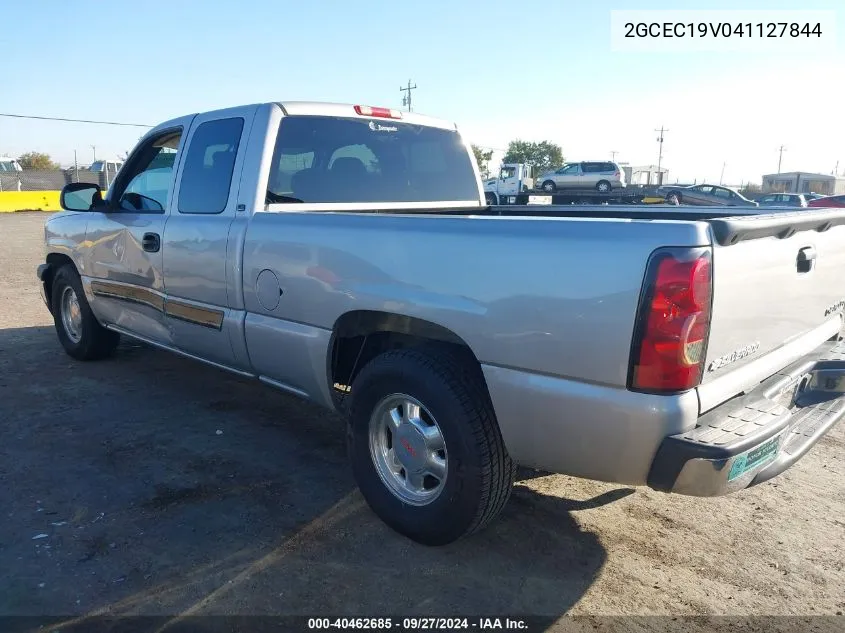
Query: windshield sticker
[{"x": 377, "y": 127}]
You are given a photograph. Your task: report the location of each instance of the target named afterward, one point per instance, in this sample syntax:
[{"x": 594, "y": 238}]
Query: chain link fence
[{"x": 52, "y": 179}]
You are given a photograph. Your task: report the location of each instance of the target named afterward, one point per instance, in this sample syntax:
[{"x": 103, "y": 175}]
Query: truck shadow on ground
[{"x": 167, "y": 487}]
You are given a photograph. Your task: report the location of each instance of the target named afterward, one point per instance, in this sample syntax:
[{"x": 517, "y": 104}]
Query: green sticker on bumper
[{"x": 757, "y": 456}]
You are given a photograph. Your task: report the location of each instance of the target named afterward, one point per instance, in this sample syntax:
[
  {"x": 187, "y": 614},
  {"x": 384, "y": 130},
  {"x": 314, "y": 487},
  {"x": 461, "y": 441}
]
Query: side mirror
[{"x": 81, "y": 196}]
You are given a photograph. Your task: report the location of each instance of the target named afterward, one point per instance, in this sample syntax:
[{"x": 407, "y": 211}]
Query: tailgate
[{"x": 778, "y": 292}]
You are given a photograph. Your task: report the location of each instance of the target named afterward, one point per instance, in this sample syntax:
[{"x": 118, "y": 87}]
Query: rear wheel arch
[{"x": 360, "y": 336}]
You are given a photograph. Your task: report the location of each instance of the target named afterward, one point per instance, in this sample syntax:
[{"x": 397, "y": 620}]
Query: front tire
[
  {"x": 549, "y": 186},
  {"x": 491, "y": 199},
  {"x": 425, "y": 447},
  {"x": 674, "y": 198},
  {"x": 78, "y": 330}
]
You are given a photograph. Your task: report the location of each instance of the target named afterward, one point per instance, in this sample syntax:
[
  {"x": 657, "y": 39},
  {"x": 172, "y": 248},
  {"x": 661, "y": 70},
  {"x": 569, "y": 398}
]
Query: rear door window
[
  {"x": 320, "y": 159},
  {"x": 209, "y": 164}
]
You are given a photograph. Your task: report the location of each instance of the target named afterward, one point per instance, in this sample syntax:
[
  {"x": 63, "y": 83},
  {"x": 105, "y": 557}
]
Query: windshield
[{"x": 332, "y": 159}]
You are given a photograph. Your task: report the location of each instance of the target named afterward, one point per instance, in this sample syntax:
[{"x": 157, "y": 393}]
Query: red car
[{"x": 828, "y": 201}]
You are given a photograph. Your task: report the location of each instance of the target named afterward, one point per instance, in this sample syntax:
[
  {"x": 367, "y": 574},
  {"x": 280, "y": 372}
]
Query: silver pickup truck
[{"x": 344, "y": 254}]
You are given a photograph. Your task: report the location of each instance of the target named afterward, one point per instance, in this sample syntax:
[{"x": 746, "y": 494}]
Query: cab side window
[
  {"x": 144, "y": 187},
  {"x": 209, "y": 166}
]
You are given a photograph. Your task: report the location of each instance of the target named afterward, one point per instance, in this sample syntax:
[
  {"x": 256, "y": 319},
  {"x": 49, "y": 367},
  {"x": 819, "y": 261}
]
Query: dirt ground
[{"x": 149, "y": 484}]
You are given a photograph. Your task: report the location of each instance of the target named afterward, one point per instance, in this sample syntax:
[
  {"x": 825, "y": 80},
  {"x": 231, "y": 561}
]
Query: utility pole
[
  {"x": 406, "y": 99},
  {"x": 780, "y": 156},
  {"x": 722, "y": 177},
  {"x": 836, "y": 169},
  {"x": 75, "y": 167},
  {"x": 660, "y": 155},
  {"x": 613, "y": 155},
  {"x": 94, "y": 149}
]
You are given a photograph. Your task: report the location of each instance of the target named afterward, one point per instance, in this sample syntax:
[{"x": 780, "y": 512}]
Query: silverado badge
[
  {"x": 836, "y": 307},
  {"x": 738, "y": 354}
]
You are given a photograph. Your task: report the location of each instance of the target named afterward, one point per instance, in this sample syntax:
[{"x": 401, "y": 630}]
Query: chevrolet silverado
[{"x": 345, "y": 254}]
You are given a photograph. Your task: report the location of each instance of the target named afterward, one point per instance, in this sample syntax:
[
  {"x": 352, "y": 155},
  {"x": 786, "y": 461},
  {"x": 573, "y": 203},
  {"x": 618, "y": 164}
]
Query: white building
[
  {"x": 803, "y": 182},
  {"x": 645, "y": 174}
]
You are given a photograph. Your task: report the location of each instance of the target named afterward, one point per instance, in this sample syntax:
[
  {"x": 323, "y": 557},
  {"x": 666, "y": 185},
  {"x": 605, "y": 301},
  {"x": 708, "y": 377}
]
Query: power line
[{"x": 53, "y": 118}]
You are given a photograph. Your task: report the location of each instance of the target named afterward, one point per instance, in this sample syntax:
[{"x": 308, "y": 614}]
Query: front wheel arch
[
  {"x": 89, "y": 340},
  {"x": 56, "y": 261}
]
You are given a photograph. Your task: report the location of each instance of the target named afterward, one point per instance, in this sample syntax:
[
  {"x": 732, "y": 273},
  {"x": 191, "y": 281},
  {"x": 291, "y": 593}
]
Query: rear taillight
[
  {"x": 385, "y": 113},
  {"x": 673, "y": 322}
]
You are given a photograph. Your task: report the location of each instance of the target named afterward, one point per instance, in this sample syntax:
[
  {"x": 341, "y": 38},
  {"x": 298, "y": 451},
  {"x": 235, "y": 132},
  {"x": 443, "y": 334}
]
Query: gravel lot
[{"x": 160, "y": 486}]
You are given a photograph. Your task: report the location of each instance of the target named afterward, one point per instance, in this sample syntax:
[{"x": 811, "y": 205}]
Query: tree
[
  {"x": 543, "y": 156},
  {"x": 750, "y": 189},
  {"x": 483, "y": 160},
  {"x": 37, "y": 160}
]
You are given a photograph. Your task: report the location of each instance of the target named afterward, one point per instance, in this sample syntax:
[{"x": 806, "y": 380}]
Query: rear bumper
[{"x": 751, "y": 439}]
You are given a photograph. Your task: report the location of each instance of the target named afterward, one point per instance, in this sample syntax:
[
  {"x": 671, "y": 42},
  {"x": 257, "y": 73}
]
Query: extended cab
[{"x": 344, "y": 254}]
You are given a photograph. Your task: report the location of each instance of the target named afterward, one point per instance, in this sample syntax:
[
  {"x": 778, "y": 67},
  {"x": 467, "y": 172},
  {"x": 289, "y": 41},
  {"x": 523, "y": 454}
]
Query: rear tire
[
  {"x": 78, "y": 330},
  {"x": 449, "y": 398},
  {"x": 549, "y": 186},
  {"x": 603, "y": 186},
  {"x": 491, "y": 199}
]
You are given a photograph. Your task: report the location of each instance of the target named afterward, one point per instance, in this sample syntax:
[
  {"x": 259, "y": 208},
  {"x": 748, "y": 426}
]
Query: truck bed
[
  {"x": 629, "y": 195},
  {"x": 729, "y": 225}
]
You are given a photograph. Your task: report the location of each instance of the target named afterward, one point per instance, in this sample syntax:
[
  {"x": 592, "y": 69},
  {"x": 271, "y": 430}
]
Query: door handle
[
  {"x": 806, "y": 259},
  {"x": 151, "y": 242}
]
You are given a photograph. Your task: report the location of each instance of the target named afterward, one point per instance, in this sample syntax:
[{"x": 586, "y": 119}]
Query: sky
[{"x": 501, "y": 69}]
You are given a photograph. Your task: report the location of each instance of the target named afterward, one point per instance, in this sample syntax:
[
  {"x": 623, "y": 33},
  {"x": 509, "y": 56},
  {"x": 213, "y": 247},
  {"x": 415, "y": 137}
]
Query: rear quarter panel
[{"x": 553, "y": 296}]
